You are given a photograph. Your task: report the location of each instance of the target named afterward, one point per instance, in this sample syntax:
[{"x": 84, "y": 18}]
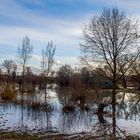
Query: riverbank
[{"x": 80, "y": 136}]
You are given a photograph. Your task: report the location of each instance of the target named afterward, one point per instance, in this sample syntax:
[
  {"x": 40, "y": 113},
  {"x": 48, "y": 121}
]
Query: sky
[{"x": 60, "y": 21}]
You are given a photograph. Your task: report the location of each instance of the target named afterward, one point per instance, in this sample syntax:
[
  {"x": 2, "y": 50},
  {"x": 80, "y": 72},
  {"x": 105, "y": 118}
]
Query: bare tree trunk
[
  {"x": 23, "y": 82},
  {"x": 45, "y": 87},
  {"x": 24, "y": 54},
  {"x": 114, "y": 119},
  {"x": 114, "y": 107},
  {"x": 124, "y": 80}
]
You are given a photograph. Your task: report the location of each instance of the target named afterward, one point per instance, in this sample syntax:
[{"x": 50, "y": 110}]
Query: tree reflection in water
[
  {"x": 129, "y": 107},
  {"x": 77, "y": 121},
  {"x": 104, "y": 127},
  {"x": 94, "y": 124},
  {"x": 34, "y": 117}
]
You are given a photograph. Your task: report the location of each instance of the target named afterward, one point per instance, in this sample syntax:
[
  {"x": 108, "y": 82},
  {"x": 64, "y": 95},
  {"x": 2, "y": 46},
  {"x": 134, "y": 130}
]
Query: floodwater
[{"x": 18, "y": 116}]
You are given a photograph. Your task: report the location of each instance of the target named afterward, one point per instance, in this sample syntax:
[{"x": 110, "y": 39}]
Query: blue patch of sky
[
  {"x": 6, "y": 49},
  {"x": 61, "y": 8},
  {"x": 7, "y": 52},
  {"x": 9, "y": 21},
  {"x": 67, "y": 52}
]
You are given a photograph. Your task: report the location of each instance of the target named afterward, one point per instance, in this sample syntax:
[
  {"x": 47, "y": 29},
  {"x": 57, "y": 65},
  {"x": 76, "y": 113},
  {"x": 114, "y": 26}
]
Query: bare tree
[
  {"x": 29, "y": 72},
  {"x": 108, "y": 38},
  {"x": 64, "y": 75},
  {"x": 8, "y": 65},
  {"x": 24, "y": 54},
  {"x": 14, "y": 72},
  {"x": 48, "y": 60}
]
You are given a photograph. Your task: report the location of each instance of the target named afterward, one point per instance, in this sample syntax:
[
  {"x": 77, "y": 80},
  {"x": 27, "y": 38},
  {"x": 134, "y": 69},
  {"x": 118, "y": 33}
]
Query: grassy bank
[
  {"x": 82, "y": 136},
  {"x": 16, "y": 136}
]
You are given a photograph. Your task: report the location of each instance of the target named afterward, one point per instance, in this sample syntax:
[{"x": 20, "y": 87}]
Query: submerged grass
[
  {"x": 9, "y": 92},
  {"x": 16, "y": 136},
  {"x": 68, "y": 108}
]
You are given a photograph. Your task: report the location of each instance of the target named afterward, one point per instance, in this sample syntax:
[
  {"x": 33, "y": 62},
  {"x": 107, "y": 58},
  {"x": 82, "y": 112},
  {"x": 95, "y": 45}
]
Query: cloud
[
  {"x": 71, "y": 60},
  {"x": 39, "y": 28},
  {"x": 62, "y": 37},
  {"x": 42, "y": 23}
]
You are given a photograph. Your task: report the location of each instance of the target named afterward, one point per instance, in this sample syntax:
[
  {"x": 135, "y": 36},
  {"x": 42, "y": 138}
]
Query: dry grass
[
  {"x": 9, "y": 92},
  {"x": 15, "y": 136}
]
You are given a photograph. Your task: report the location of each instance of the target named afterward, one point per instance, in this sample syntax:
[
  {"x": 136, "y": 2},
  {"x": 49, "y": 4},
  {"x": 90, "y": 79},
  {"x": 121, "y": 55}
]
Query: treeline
[{"x": 66, "y": 76}]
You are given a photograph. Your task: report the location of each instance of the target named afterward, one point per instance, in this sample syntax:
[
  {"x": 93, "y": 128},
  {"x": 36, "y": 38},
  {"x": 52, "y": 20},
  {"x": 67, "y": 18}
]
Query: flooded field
[{"x": 57, "y": 112}]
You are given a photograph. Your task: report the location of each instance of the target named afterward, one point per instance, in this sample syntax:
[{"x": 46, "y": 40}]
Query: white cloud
[
  {"x": 61, "y": 60},
  {"x": 43, "y": 28},
  {"x": 13, "y": 35},
  {"x": 71, "y": 60},
  {"x": 39, "y": 28}
]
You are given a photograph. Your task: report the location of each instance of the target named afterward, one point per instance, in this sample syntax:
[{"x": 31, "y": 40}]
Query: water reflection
[
  {"x": 129, "y": 107},
  {"x": 21, "y": 116}
]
